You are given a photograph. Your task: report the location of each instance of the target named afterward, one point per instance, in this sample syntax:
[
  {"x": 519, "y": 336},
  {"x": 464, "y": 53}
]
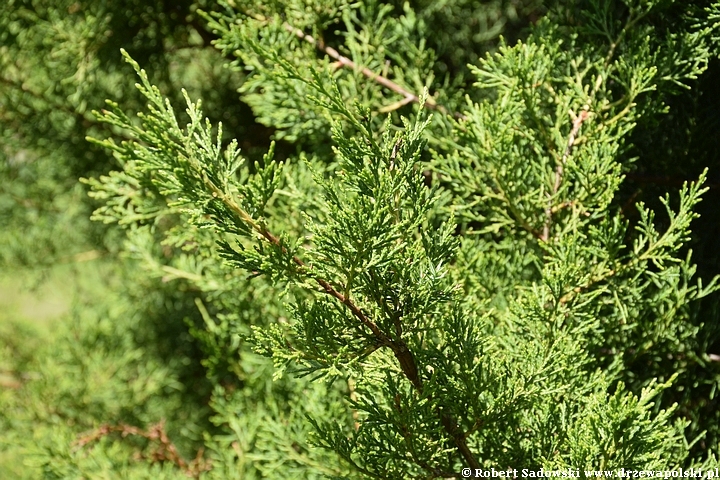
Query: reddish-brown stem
[{"x": 398, "y": 346}]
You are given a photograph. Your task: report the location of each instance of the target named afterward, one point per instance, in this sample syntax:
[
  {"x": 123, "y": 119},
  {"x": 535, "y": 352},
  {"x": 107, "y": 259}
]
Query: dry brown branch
[
  {"x": 8, "y": 380},
  {"x": 164, "y": 450}
]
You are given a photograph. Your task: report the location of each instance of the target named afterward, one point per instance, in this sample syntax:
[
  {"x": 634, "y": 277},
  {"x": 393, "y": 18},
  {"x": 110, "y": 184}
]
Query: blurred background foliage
[{"x": 90, "y": 336}]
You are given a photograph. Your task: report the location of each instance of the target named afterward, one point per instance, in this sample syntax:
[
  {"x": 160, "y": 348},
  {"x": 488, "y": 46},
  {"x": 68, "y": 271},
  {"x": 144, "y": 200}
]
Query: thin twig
[
  {"x": 353, "y": 398},
  {"x": 382, "y": 339},
  {"x": 579, "y": 119},
  {"x": 560, "y": 169},
  {"x": 376, "y": 77}
]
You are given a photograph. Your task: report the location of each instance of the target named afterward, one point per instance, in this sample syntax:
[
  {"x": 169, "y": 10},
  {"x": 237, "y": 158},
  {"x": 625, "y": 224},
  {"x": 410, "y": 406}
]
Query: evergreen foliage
[{"x": 438, "y": 262}]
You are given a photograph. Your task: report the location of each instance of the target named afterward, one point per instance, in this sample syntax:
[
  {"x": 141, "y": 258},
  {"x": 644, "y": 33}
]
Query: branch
[
  {"x": 382, "y": 339},
  {"x": 584, "y": 114},
  {"x": 619, "y": 269},
  {"x": 165, "y": 451},
  {"x": 560, "y": 169},
  {"x": 402, "y": 353},
  {"x": 409, "y": 97}
]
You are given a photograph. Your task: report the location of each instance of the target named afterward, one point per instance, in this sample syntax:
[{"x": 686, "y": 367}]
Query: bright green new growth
[{"x": 490, "y": 319}]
